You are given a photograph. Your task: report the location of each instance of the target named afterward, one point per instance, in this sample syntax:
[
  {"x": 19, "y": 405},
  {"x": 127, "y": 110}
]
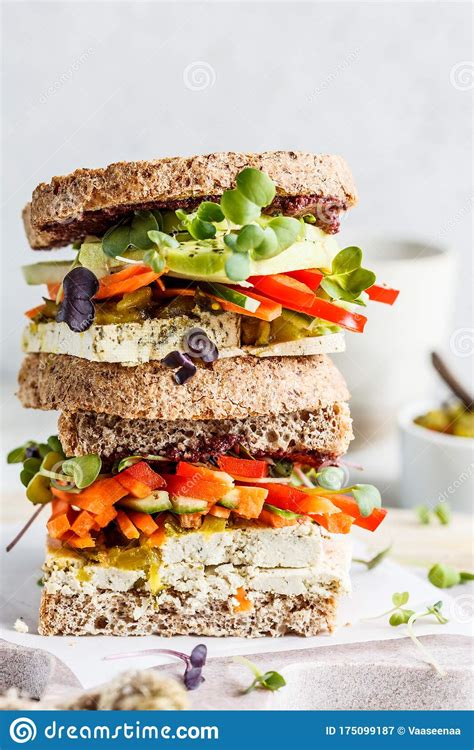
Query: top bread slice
[{"x": 89, "y": 201}]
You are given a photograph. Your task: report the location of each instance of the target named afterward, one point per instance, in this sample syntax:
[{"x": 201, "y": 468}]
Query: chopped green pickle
[
  {"x": 213, "y": 525},
  {"x": 452, "y": 420}
]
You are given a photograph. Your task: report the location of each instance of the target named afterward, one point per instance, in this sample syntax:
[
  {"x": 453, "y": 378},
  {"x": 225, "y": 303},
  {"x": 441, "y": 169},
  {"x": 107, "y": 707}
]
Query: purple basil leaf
[
  {"x": 193, "y": 678},
  {"x": 198, "y": 655},
  {"x": 185, "y": 373},
  {"x": 77, "y": 309},
  {"x": 32, "y": 452},
  {"x": 175, "y": 359}
]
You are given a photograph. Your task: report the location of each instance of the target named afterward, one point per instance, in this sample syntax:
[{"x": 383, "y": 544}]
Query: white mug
[{"x": 389, "y": 364}]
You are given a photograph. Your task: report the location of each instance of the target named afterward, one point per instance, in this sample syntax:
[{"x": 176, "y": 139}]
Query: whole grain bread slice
[
  {"x": 272, "y": 385},
  {"x": 322, "y": 434},
  {"x": 88, "y": 201},
  {"x": 133, "y": 613}
]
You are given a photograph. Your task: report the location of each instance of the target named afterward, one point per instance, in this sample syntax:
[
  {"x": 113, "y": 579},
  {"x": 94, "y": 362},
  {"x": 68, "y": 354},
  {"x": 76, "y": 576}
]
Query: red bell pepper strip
[
  {"x": 298, "y": 501},
  {"x": 192, "y": 472},
  {"x": 199, "y": 489},
  {"x": 310, "y": 276},
  {"x": 349, "y": 506},
  {"x": 143, "y": 473},
  {"x": 243, "y": 467},
  {"x": 284, "y": 289},
  {"x": 335, "y": 314},
  {"x": 384, "y": 294},
  {"x": 297, "y": 296}
]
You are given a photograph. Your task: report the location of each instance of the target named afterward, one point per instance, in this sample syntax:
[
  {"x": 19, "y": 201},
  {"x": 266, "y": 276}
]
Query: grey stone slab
[
  {"x": 34, "y": 672},
  {"x": 376, "y": 675}
]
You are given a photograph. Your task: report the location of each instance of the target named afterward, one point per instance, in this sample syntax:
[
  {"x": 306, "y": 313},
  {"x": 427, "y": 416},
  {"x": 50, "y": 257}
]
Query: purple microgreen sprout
[
  {"x": 25, "y": 528},
  {"x": 185, "y": 373},
  {"x": 175, "y": 359},
  {"x": 196, "y": 660}
]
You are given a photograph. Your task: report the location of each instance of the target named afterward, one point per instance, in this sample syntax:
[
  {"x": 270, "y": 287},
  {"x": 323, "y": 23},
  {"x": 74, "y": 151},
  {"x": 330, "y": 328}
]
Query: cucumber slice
[
  {"x": 288, "y": 514},
  {"x": 154, "y": 503},
  {"x": 230, "y": 499},
  {"x": 46, "y": 272},
  {"x": 237, "y": 298},
  {"x": 188, "y": 505}
]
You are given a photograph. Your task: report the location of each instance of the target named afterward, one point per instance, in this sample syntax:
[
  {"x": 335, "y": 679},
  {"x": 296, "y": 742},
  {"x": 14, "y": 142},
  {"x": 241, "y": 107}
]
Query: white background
[{"x": 87, "y": 84}]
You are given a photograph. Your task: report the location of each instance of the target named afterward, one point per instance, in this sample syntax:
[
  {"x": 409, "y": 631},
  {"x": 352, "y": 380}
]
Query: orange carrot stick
[{"x": 127, "y": 528}]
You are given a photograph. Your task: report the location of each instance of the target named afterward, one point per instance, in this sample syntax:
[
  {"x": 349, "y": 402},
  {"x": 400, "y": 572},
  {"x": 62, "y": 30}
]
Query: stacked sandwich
[{"x": 195, "y": 484}]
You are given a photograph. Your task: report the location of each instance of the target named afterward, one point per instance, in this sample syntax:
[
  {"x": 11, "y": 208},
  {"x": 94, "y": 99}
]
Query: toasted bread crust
[
  {"x": 273, "y": 385},
  {"x": 88, "y": 201}
]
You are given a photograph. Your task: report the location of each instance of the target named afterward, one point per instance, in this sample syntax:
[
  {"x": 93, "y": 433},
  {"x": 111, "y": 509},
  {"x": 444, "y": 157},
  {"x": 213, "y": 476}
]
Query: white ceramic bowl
[{"x": 435, "y": 467}]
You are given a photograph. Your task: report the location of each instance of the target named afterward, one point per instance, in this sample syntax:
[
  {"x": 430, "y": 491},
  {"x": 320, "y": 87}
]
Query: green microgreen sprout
[
  {"x": 134, "y": 232},
  {"x": 375, "y": 560},
  {"x": 200, "y": 224},
  {"x": 442, "y": 511},
  {"x": 402, "y": 616},
  {"x": 367, "y": 496},
  {"x": 84, "y": 470},
  {"x": 20, "y": 454},
  {"x": 268, "y": 680},
  {"x": 435, "y": 610},
  {"x": 445, "y": 576},
  {"x": 263, "y": 239},
  {"x": 131, "y": 460},
  {"x": 397, "y": 613},
  {"x": 347, "y": 279},
  {"x": 330, "y": 480},
  {"x": 423, "y": 514}
]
